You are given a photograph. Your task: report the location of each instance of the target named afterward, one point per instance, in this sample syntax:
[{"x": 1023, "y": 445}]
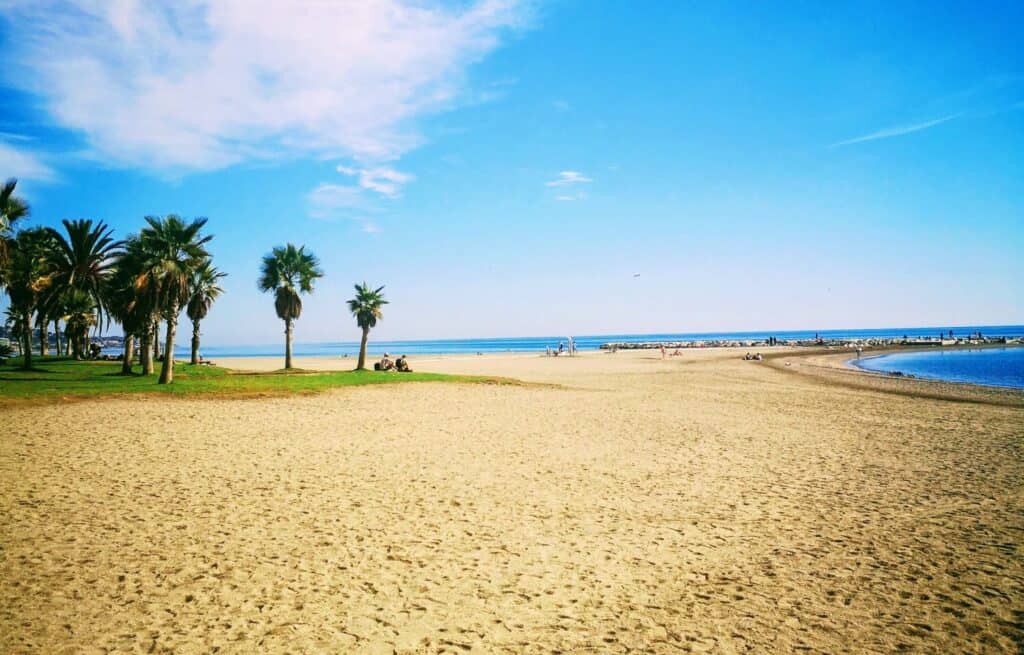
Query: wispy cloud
[
  {"x": 569, "y": 197},
  {"x": 899, "y": 130},
  {"x": 209, "y": 83},
  {"x": 383, "y": 180},
  {"x": 23, "y": 164},
  {"x": 566, "y": 178},
  {"x": 12, "y": 136},
  {"x": 335, "y": 201},
  {"x": 561, "y": 105}
]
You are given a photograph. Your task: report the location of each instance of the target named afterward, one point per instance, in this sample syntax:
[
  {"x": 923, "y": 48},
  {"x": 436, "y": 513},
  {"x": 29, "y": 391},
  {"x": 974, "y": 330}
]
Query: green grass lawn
[{"x": 54, "y": 378}]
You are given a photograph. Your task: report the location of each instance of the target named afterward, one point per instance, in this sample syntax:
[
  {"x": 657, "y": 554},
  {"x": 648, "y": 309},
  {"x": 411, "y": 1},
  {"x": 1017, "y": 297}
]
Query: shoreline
[
  {"x": 855, "y": 364},
  {"x": 835, "y": 368}
]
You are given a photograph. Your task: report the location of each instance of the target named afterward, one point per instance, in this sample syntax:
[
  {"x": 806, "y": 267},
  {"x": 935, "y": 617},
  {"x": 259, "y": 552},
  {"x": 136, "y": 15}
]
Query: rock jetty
[{"x": 874, "y": 342}]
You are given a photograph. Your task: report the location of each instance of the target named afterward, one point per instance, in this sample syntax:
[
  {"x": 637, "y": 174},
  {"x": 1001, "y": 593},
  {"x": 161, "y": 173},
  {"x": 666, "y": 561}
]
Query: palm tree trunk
[
  {"x": 26, "y": 352},
  {"x": 167, "y": 370},
  {"x": 126, "y": 361},
  {"x": 288, "y": 343},
  {"x": 195, "y": 342},
  {"x": 146, "y": 349},
  {"x": 56, "y": 335},
  {"x": 156, "y": 341},
  {"x": 76, "y": 343},
  {"x": 362, "y": 349},
  {"x": 43, "y": 322}
]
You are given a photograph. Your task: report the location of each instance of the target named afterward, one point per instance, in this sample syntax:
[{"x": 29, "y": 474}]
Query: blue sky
[{"x": 506, "y": 168}]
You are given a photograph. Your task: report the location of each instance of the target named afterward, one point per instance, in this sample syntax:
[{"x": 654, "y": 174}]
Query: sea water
[
  {"x": 583, "y": 342},
  {"x": 997, "y": 367}
]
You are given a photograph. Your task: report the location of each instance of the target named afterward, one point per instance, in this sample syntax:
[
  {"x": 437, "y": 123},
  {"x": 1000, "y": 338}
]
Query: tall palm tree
[
  {"x": 133, "y": 302},
  {"x": 366, "y": 307},
  {"x": 45, "y": 246},
  {"x": 174, "y": 248},
  {"x": 12, "y": 209},
  {"x": 289, "y": 271},
  {"x": 29, "y": 273},
  {"x": 130, "y": 301},
  {"x": 84, "y": 260},
  {"x": 204, "y": 288}
]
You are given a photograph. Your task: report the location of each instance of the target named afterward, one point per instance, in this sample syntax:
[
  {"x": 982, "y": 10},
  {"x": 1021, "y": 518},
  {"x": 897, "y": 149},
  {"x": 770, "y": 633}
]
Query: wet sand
[{"x": 697, "y": 504}]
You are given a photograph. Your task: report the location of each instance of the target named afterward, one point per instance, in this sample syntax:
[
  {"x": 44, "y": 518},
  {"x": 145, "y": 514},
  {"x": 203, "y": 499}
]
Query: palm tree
[
  {"x": 289, "y": 271},
  {"x": 45, "y": 246},
  {"x": 29, "y": 276},
  {"x": 366, "y": 307},
  {"x": 204, "y": 288},
  {"x": 82, "y": 313},
  {"x": 174, "y": 249},
  {"x": 133, "y": 302},
  {"x": 130, "y": 301},
  {"x": 12, "y": 209},
  {"x": 83, "y": 261}
]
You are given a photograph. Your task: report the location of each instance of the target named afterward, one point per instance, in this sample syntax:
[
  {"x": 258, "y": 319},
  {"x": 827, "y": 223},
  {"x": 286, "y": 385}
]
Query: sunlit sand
[{"x": 695, "y": 504}]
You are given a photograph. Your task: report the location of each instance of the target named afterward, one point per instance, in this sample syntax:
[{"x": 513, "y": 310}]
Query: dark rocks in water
[{"x": 820, "y": 342}]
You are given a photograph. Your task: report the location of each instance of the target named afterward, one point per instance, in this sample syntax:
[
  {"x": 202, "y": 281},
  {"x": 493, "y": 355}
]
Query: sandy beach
[{"x": 624, "y": 503}]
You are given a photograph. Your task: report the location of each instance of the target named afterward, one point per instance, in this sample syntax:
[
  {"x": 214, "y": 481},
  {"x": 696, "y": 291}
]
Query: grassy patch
[{"x": 55, "y": 378}]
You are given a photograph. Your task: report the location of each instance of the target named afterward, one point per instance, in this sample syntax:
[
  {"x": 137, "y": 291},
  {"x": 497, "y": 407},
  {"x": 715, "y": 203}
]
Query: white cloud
[
  {"x": 569, "y": 197},
  {"x": 897, "y": 131},
  {"x": 208, "y": 83},
  {"x": 334, "y": 201},
  {"x": 22, "y": 164},
  {"x": 565, "y": 178},
  {"x": 381, "y": 179}
]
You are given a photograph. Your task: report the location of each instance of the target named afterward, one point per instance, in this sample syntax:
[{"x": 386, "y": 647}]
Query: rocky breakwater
[{"x": 811, "y": 343}]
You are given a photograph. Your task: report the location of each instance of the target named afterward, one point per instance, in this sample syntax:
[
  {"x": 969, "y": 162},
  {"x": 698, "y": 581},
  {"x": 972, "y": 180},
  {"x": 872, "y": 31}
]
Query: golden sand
[{"x": 697, "y": 504}]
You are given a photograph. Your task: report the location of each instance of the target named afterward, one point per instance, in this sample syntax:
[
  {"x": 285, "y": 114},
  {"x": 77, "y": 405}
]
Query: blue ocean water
[
  {"x": 584, "y": 342},
  {"x": 998, "y": 367}
]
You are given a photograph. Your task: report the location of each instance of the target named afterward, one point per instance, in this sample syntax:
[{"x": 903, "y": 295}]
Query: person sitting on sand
[{"x": 402, "y": 365}]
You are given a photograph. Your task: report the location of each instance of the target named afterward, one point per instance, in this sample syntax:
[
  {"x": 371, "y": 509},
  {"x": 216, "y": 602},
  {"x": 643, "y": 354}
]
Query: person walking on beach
[{"x": 663, "y": 351}]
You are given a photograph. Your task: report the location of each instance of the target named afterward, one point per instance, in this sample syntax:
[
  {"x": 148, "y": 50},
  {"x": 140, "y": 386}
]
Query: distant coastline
[{"x": 928, "y": 335}]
